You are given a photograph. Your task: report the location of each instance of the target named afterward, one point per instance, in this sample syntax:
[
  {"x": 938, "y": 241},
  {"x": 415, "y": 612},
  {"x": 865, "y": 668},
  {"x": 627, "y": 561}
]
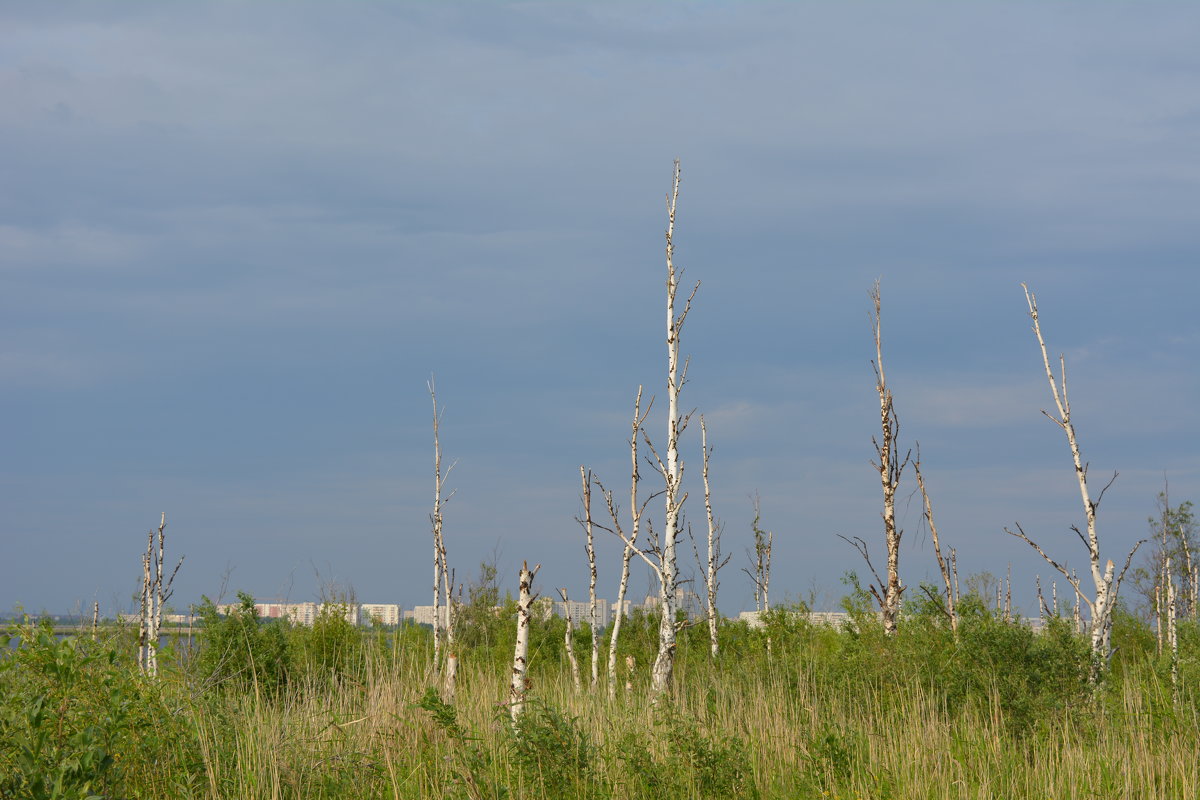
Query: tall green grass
[{"x": 268, "y": 711}]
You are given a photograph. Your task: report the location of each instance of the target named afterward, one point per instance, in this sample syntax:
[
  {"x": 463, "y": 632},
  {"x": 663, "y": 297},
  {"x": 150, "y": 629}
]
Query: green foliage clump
[
  {"x": 77, "y": 721},
  {"x": 473, "y": 766},
  {"x": 680, "y": 759},
  {"x": 236, "y": 651},
  {"x": 554, "y": 755},
  {"x": 328, "y": 651}
]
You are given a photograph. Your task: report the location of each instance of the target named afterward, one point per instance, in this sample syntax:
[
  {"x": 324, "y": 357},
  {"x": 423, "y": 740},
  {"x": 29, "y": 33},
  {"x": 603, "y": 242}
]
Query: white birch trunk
[
  {"x": 516, "y": 694},
  {"x": 635, "y": 513},
  {"x": 664, "y": 661},
  {"x": 437, "y": 599},
  {"x": 443, "y": 628},
  {"x": 1104, "y": 578},
  {"x": 890, "y": 469},
  {"x": 569, "y": 641},
  {"x": 159, "y": 599},
  {"x": 1172, "y": 632},
  {"x": 451, "y": 673},
  {"x": 146, "y": 609},
  {"x": 943, "y": 567},
  {"x": 586, "y": 478},
  {"x": 714, "y": 550},
  {"x": 1159, "y": 617}
]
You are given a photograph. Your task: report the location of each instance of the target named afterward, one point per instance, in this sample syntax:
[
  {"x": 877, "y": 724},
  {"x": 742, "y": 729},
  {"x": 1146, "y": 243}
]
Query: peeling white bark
[
  {"x": 155, "y": 594},
  {"x": 1106, "y": 581},
  {"x": 525, "y": 598},
  {"x": 585, "y": 477},
  {"x": 890, "y": 469},
  {"x": 443, "y": 576},
  {"x": 715, "y": 562},
  {"x": 672, "y": 471},
  {"x": 635, "y": 514},
  {"x": 569, "y": 641}
]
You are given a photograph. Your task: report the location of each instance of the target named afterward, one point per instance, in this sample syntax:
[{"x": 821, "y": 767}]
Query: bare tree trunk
[
  {"x": 146, "y": 610},
  {"x": 157, "y": 607},
  {"x": 760, "y": 562},
  {"x": 155, "y": 594},
  {"x": 1043, "y": 609},
  {"x": 951, "y": 599},
  {"x": 443, "y": 627},
  {"x": 890, "y": 468},
  {"x": 95, "y": 618},
  {"x": 1107, "y": 583},
  {"x": 954, "y": 570},
  {"x": 569, "y": 640},
  {"x": 1172, "y": 632},
  {"x": 1008, "y": 595},
  {"x": 672, "y": 470},
  {"x": 585, "y": 477},
  {"x": 1159, "y": 627},
  {"x": 715, "y": 562},
  {"x": 635, "y": 514},
  {"x": 1076, "y": 614},
  {"x": 451, "y": 674},
  {"x": 525, "y": 598}
]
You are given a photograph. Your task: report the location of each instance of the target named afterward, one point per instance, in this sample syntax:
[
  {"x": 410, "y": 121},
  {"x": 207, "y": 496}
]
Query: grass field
[{"x": 262, "y": 710}]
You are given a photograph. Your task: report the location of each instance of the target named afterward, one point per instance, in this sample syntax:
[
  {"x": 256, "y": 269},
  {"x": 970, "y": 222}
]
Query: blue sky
[{"x": 237, "y": 239}]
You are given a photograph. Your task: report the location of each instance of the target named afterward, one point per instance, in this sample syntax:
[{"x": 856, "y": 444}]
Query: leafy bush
[
  {"x": 237, "y": 651},
  {"x": 684, "y": 761},
  {"x": 77, "y": 721},
  {"x": 329, "y": 650},
  {"x": 554, "y": 755}
]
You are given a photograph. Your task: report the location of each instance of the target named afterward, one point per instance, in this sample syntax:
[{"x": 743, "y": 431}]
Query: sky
[{"x": 237, "y": 240}]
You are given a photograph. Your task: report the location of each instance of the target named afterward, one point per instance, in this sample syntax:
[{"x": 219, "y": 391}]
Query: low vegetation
[{"x": 261, "y": 709}]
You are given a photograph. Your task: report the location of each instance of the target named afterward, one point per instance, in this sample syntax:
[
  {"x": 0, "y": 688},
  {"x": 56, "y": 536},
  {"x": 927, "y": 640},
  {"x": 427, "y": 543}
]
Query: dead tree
[
  {"x": 760, "y": 561},
  {"x": 1043, "y": 609},
  {"x": 890, "y": 467},
  {"x": 443, "y": 577},
  {"x": 519, "y": 683},
  {"x": 667, "y": 568},
  {"x": 585, "y": 477},
  {"x": 569, "y": 640},
  {"x": 714, "y": 561},
  {"x": 155, "y": 594},
  {"x": 1106, "y": 580},
  {"x": 635, "y": 518},
  {"x": 943, "y": 567}
]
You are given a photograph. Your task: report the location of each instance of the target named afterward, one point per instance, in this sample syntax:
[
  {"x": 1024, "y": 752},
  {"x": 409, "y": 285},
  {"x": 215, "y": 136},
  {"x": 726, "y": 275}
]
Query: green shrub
[
  {"x": 236, "y": 651},
  {"x": 77, "y": 721}
]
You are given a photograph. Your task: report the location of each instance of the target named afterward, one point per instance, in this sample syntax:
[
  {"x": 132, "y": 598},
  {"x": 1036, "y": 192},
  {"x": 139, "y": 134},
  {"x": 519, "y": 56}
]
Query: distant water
[{"x": 181, "y": 643}]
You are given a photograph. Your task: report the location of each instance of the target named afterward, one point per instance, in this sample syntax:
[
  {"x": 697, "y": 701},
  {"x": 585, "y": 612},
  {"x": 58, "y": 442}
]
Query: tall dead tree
[
  {"x": 636, "y": 509},
  {"x": 662, "y": 556},
  {"x": 1106, "y": 580},
  {"x": 890, "y": 467},
  {"x": 155, "y": 594},
  {"x": 569, "y": 639},
  {"x": 672, "y": 469},
  {"x": 951, "y": 598},
  {"x": 585, "y": 477},
  {"x": 525, "y": 598},
  {"x": 760, "y": 560},
  {"x": 443, "y": 577},
  {"x": 715, "y": 561}
]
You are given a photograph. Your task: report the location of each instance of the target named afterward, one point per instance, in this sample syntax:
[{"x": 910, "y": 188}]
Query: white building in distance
[{"x": 379, "y": 613}]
